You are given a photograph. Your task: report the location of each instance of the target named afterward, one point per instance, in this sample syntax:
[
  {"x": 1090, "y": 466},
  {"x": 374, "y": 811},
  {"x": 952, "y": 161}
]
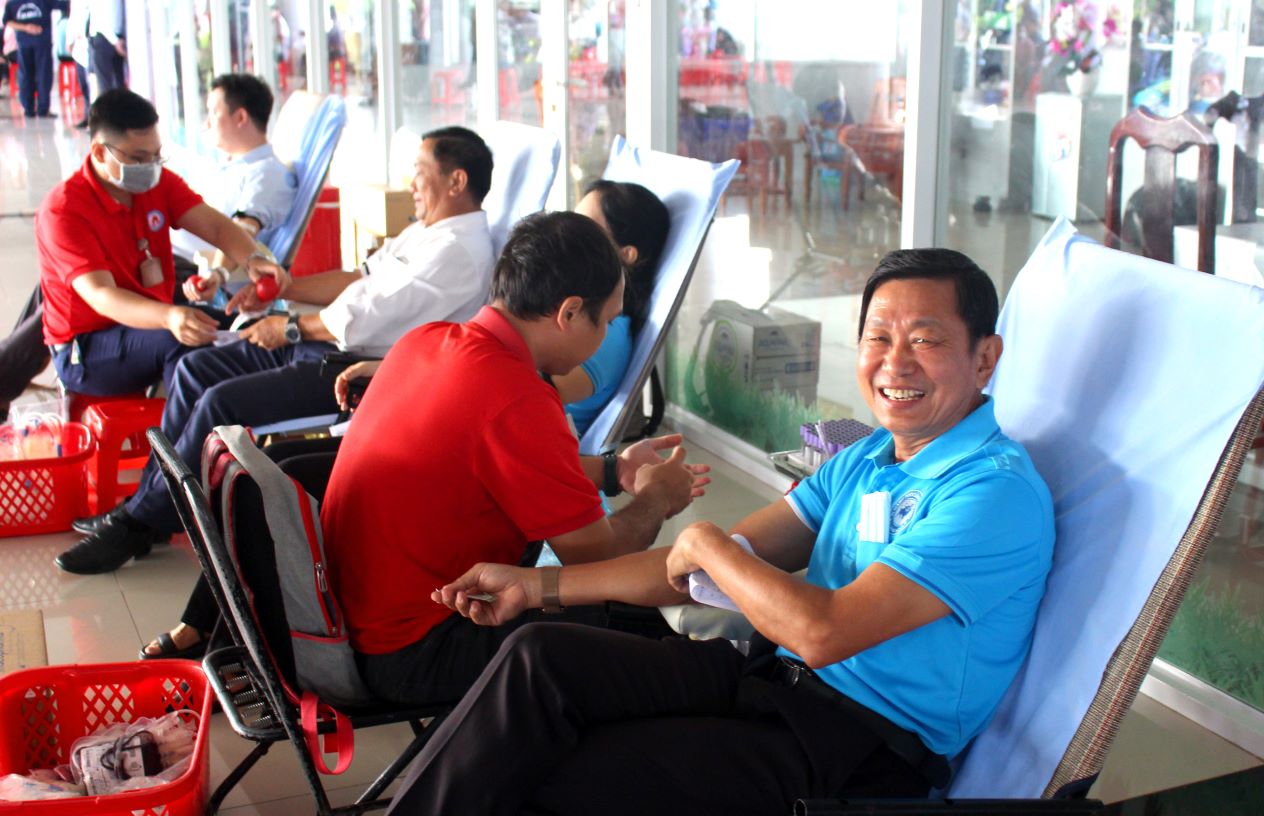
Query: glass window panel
[
  {"x": 240, "y": 36},
  {"x": 351, "y": 36},
  {"x": 437, "y": 64},
  {"x": 518, "y": 37},
  {"x": 1028, "y": 142},
  {"x": 595, "y": 87},
  {"x": 289, "y": 28},
  {"x": 817, "y": 114}
]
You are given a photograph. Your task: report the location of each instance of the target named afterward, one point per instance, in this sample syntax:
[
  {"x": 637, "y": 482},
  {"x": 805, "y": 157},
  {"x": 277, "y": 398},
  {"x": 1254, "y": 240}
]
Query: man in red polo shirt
[
  {"x": 106, "y": 270},
  {"x": 460, "y": 452}
]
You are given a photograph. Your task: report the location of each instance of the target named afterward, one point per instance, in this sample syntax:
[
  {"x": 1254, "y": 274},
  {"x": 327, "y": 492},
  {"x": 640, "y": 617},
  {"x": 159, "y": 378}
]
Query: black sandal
[{"x": 167, "y": 650}]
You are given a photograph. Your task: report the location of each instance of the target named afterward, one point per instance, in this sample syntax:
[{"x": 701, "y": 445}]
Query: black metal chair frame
[{"x": 245, "y": 676}]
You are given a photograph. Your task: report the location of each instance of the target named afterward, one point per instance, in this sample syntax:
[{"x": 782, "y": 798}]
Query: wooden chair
[{"x": 1162, "y": 139}]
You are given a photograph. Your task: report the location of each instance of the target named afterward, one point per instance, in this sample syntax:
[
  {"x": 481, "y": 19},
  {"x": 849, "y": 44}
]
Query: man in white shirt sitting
[
  {"x": 252, "y": 186},
  {"x": 437, "y": 269}
]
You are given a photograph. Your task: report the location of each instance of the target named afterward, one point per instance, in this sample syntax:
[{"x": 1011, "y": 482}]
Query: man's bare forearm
[
  {"x": 322, "y": 288},
  {"x": 639, "y": 578},
  {"x": 637, "y": 525}
]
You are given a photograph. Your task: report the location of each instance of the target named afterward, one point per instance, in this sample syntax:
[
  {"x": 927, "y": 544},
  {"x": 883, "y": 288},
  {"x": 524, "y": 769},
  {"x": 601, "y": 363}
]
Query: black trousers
[
  {"x": 23, "y": 355},
  {"x": 575, "y": 720},
  {"x": 107, "y": 64},
  {"x": 443, "y": 665}
]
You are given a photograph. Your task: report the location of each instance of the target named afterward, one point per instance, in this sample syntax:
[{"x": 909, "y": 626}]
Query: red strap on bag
[{"x": 341, "y": 741}]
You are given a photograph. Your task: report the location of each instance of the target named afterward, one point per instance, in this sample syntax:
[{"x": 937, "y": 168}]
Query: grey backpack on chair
[{"x": 324, "y": 662}]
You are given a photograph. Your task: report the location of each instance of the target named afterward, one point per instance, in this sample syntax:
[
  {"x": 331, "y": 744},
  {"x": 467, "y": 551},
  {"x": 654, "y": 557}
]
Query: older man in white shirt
[{"x": 437, "y": 269}]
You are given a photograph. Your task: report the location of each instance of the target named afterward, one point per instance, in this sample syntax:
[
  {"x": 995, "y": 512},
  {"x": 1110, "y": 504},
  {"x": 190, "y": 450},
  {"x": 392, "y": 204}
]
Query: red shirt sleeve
[
  {"x": 531, "y": 468},
  {"x": 180, "y": 197},
  {"x": 71, "y": 245}
]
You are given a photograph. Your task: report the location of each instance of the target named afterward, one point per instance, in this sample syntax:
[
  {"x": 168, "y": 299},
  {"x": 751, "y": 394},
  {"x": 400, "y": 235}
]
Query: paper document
[{"x": 703, "y": 590}]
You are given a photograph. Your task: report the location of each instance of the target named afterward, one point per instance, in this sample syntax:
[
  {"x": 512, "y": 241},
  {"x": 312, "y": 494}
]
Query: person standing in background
[
  {"x": 32, "y": 20},
  {"x": 80, "y": 48},
  {"x": 107, "y": 31}
]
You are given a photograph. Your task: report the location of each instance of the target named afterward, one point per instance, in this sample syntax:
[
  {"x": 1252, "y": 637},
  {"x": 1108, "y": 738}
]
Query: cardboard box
[
  {"x": 769, "y": 333},
  {"x": 378, "y": 209},
  {"x": 22, "y": 640},
  {"x": 765, "y": 350}
]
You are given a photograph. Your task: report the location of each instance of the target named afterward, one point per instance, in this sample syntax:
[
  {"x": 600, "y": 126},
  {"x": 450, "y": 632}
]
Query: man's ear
[
  {"x": 987, "y": 353},
  {"x": 458, "y": 180},
  {"x": 568, "y": 311},
  {"x": 240, "y": 117},
  {"x": 97, "y": 151}
]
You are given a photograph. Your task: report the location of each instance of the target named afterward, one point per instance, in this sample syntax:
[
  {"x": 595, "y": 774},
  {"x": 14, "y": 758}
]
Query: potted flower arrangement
[{"x": 1073, "y": 41}]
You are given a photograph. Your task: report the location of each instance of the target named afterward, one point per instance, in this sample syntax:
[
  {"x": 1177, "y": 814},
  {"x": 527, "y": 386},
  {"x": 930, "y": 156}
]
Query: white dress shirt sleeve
[{"x": 399, "y": 292}]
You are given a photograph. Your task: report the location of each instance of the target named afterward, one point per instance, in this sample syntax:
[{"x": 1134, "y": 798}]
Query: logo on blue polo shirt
[
  {"x": 902, "y": 512},
  {"x": 155, "y": 220}
]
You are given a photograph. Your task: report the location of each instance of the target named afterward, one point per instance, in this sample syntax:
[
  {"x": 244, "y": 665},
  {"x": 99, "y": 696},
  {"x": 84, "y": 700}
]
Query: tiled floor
[{"x": 106, "y": 618}]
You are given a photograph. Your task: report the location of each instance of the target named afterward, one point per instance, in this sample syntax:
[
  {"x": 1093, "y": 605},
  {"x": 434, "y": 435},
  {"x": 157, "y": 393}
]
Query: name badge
[
  {"x": 150, "y": 272},
  {"x": 875, "y": 516}
]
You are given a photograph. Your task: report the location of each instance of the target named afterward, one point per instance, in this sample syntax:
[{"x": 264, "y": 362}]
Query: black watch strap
[{"x": 610, "y": 474}]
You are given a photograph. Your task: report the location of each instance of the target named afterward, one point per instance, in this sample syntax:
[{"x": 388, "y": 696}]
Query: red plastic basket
[
  {"x": 45, "y": 495},
  {"x": 45, "y": 710}
]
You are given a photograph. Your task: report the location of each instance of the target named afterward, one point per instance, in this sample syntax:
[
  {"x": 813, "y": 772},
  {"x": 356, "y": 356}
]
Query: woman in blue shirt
[{"x": 638, "y": 222}]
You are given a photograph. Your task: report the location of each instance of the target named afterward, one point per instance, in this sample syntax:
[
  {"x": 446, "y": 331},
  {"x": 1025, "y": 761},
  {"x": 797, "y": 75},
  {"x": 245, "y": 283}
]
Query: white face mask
[{"x": 138, "y": 178}]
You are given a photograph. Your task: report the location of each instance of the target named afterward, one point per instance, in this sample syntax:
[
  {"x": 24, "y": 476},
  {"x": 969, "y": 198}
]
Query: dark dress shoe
[
  {"x": 108, "y": 548},
  {"x": 90, "y": 524}
]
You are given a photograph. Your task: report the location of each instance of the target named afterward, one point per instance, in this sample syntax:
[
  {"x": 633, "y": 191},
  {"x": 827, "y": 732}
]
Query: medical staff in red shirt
[{"x": 106, "y": 269}]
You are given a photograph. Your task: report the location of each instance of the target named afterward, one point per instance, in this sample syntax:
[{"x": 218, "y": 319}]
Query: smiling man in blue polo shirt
[{"x": 927, "y": 546}]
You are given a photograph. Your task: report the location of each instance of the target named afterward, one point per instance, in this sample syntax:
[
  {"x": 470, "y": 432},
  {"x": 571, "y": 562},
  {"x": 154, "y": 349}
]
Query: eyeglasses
[{"x": 123, "y": 158}]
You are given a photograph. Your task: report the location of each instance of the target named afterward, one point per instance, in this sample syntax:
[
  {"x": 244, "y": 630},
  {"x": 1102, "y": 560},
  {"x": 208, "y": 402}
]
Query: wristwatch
[
  {"x": 292, "y": 333},
  {"x": 610, "y": 471}
]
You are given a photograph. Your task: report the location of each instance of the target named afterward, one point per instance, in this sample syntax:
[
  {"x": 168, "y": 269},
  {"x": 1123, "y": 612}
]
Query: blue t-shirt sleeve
[
  {"x": 606, "y": 367},
  {"x": 978, "y": 546}
]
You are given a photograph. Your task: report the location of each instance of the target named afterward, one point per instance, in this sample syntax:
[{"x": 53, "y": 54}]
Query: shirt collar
[
  {"x": 98, "y": 188},
  {"x": 495, "y": 324},
  {"x": 260, "y": 153},
  {"x": 467, "y": 220},
  {"x": 948, "y": 448}
]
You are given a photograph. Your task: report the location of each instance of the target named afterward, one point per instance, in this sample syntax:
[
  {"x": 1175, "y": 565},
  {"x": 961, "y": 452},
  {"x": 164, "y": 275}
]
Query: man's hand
[
  {"x": 514, "y": 590},
  {"x": 645, "y": 452},
  {"x": 361, "y": 370},
  {"x": 257, "y": 266},
  {"x": 268, "y": 333},
  {"x": 670, "y": 480},
  {"x": 199, "y": 290},
  {"x": 121, "y": 47},
  {"x": 192, "y": 327},
  {"x": 681, "y": 560}
]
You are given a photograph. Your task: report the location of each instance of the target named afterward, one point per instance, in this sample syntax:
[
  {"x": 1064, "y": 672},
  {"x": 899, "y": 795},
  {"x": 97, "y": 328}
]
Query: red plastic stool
[
  {"x": 77, "y": 404},
  {"x": 119, "y": 428},
  {"x": 67, "y": 80}
]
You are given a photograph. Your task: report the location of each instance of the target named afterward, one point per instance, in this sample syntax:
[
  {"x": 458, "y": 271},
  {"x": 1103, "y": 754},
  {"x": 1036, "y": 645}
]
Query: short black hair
[
  {"x": 976, "y": 294},
  {"x": 638, "y": 218},
  {"x": 249, "y": 92},
  {"x": 552, "y": 256},
  {"x": 119, "y": 110},
  {"x": 461, "y": 147}
]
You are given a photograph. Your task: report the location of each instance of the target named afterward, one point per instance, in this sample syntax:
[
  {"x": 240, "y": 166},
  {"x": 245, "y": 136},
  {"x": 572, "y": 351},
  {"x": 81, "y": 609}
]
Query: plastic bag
[
  {"x": 37, "y": 786},
  {"x": 131, "y": 756},
  {"x": 33, "y": 432}
]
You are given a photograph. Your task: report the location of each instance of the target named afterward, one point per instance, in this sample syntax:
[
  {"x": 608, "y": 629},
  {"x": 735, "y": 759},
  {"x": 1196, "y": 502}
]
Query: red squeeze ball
[
  {"x": 266, "y": 288},
  {"x": 199, "y": 284}
]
